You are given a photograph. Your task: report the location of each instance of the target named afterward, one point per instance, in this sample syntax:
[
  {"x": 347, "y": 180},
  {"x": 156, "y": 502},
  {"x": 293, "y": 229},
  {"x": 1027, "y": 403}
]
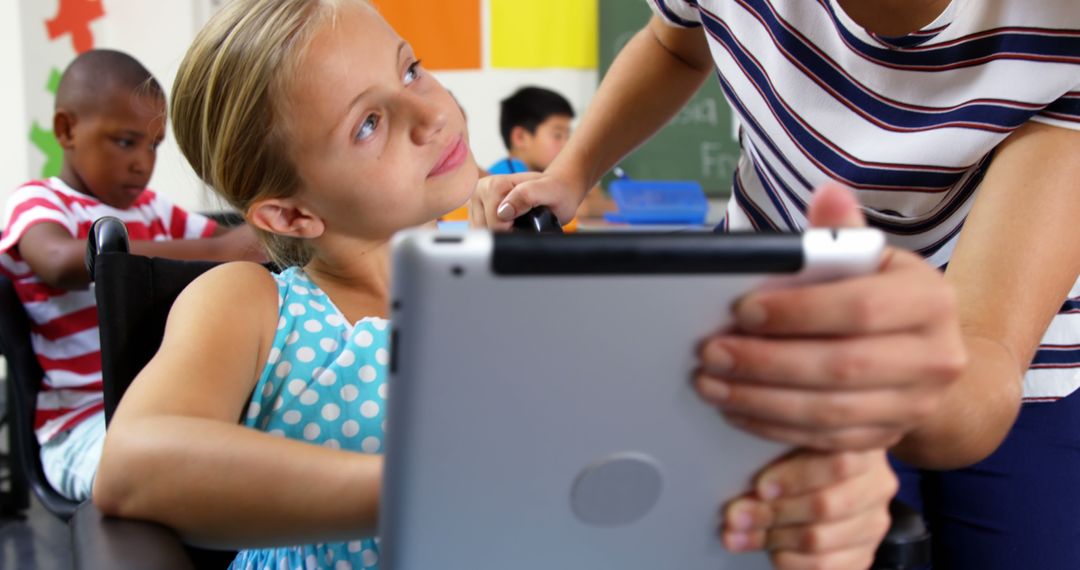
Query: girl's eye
[
  {"x": 412, "y": 73},
  {"x": 368, "y": 127},
  {"x": 125, "y": 143}
]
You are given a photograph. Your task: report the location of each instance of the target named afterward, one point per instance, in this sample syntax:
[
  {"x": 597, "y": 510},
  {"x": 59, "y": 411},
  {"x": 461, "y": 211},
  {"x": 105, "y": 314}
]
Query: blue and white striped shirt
[{"x": 910, "y": 123}]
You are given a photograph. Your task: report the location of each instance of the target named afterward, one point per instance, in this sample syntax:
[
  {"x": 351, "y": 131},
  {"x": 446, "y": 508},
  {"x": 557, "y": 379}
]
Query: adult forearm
[
  {"x": 976, "y": 414},
  {"x": 223, "y": 485},
  {"x": 645, "y": 87}
]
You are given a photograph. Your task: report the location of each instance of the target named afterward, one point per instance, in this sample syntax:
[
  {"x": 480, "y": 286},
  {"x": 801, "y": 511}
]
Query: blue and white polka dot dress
[{"x": 324, "y": 383}]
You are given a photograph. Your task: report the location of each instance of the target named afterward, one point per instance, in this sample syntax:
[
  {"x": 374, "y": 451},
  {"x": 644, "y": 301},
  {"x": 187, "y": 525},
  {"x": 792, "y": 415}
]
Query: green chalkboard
[{"x": 699, "y": 143}]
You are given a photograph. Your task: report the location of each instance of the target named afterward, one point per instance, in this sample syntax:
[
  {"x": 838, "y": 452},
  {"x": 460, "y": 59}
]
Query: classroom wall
[
  {"x": 158, "y": 32},
  {"x": 550, "y": 43},
  {"x": 13, "y": 144}
]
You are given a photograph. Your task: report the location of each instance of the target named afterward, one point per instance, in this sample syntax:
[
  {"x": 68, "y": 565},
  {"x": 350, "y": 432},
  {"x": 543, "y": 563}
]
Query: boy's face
[
  {"x": 539, "y": 149},
  {"x": 378, "y": 143},
  {"x": 110, "y": 153}
]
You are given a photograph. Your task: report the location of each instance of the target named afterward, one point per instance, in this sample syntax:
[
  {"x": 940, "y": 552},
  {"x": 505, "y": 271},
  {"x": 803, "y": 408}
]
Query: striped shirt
[
  {"x": 909, "y": 122},
  {"x": 64, "y": 323}
]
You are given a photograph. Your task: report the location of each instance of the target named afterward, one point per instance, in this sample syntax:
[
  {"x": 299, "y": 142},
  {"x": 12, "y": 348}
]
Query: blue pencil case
[{"x": 658, "y": 202}]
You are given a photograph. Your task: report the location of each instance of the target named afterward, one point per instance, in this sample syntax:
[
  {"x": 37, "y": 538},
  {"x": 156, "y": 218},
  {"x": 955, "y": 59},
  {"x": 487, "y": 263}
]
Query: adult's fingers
[
  {"x": 904, "y": 294},
  {"x": 834, "y": 364},
  {"x": 490, "y": 193},
  {"x": 820, "y": 410},
  {"x": 805, "y": 471},
  {"x": 829, "y": 536},
  {"x": 853, "y": 438},
  {"x": 859, "y": 558},
  {"x": 544, "y": 190},
  {"x": 845, "y": 499},
  {"x": 834, "y": 206}
]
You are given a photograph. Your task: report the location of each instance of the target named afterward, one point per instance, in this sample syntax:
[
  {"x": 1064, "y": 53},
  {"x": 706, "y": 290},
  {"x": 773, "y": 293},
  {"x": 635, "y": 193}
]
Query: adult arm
[
  {"x": 651, "y": 79},
  {"x": 1013, "y": 267},
  {"x": 896, "y": 358}
]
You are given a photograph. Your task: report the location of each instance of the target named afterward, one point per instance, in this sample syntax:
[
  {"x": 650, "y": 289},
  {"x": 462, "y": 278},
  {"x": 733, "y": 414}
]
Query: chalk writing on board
[
  {"x": 704, "y": 111},
  {"x": 699, "y": 143},
  {"x": 716, "y": 159}
]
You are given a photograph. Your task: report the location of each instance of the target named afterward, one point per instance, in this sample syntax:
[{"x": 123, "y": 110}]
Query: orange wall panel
[{"x": 446, "y": 35}]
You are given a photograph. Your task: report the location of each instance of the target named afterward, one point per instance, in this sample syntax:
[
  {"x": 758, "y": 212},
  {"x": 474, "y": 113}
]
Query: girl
[{"x": 262, "y": 429}]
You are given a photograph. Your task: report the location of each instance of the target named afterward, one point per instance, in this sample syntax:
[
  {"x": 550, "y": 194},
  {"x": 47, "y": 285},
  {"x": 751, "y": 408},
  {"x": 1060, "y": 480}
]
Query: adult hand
[
  {"x": 499, "y": 199},
  {"x": 815, "y": 510},
  {"x": 852, "y": 364}
]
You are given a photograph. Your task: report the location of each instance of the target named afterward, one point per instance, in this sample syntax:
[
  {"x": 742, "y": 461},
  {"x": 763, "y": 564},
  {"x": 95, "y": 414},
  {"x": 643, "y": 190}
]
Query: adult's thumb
[{"x": 834, "y": 206}]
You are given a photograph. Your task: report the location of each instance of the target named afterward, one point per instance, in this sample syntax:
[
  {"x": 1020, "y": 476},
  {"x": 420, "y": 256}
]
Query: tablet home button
[{"x": 616, "y": 490}]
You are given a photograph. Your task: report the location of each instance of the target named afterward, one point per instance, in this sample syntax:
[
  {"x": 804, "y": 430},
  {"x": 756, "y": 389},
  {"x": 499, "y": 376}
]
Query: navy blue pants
[{"x": 1018, "y": 509}]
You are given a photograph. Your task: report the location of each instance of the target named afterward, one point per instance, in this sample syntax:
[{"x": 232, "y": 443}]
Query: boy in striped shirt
[{"x": 109, "y": 119}]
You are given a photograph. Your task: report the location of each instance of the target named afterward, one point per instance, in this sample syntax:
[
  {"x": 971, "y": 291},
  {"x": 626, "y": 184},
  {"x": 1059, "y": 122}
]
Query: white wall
[
  {"x": 157, "y": 32},
  {"x": 13, "y": 125}
]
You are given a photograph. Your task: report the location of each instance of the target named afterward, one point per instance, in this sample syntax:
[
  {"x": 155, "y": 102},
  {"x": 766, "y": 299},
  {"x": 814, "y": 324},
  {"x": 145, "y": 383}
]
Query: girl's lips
[{"x": 452, "y": 157}]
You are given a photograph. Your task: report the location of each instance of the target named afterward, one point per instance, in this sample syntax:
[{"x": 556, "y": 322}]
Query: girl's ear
[{"x": 284, "y": 216}]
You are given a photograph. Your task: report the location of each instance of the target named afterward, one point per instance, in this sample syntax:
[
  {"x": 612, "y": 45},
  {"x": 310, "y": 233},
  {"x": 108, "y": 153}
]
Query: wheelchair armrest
[
  {"x": 119, "y": 544},
  {"x": 907, "y": 544},
  {"x": 107, "y": 235}
]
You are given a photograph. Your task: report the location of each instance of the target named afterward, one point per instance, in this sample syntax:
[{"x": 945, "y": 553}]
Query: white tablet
[{"x": 541, "y": 413}]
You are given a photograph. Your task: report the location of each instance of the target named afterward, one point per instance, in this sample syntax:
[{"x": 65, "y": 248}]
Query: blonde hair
[{"x": 228, "y": 101}]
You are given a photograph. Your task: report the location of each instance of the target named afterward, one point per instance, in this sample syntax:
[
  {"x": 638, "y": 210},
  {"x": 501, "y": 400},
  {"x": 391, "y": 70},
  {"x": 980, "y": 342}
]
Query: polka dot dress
[{"x": 324, "y": 383}]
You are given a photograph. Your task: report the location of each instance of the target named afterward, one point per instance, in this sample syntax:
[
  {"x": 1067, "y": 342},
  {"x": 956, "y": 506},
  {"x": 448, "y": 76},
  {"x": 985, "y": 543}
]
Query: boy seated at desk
[{"x": 109, "y": 120}]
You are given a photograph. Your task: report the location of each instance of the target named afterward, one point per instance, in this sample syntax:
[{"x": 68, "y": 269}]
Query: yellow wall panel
[{"x": 544, "y": 33}]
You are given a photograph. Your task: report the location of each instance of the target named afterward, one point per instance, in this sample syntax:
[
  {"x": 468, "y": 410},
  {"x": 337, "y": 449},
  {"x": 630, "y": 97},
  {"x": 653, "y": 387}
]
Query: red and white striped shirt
[{"x": 64, "y": 323}]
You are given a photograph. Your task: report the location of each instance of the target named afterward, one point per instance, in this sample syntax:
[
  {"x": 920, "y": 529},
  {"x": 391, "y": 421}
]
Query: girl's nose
[{"x": 428, "y": 120}]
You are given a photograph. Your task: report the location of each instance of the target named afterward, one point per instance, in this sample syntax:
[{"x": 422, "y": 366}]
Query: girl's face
[{"x": 378, "y": 143}]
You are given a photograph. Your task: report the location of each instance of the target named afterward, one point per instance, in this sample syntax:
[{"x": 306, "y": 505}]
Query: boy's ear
[
  {"x": 284, "y": 216},
  {"x": 63, "y": 125},
  {"x": 519, "y": 137}
]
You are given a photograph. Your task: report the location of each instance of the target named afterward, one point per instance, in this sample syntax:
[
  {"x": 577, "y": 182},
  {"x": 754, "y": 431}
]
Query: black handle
[
  {"x": 538, "y": 220},
  {"x": 107, "y": 235},
  {"x": 907, "y": 544}
]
